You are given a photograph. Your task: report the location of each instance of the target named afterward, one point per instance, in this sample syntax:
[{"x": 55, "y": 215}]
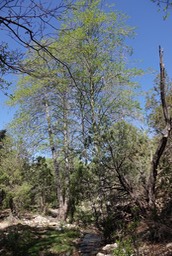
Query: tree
[
  {"x": 146, "y": 199},
  {"x": 157, "y": 122},
  {"x": 103, "y": 91},
  {"x": 25, "y": 183},
  {"x": 119, "y": 174},
  {"x": 12, "y": 169},
  {"x": 165, "y": 136},
  {"x": 131, "y": 168},
  {"x": 122, "y": 158},
  {"x": 56, "y": 107},
  {"x": 42, "y": 184},
  {"x": 42, "y": 119}
]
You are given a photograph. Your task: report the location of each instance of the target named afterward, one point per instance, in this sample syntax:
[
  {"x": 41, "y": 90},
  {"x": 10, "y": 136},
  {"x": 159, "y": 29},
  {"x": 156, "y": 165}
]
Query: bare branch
[
  {"x": 28, "y": 22},
  {"x": 162, "y": 86}
]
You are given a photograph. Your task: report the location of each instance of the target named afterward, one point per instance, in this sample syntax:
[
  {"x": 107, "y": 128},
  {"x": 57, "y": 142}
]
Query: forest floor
[{"x": 36, "y": 235}]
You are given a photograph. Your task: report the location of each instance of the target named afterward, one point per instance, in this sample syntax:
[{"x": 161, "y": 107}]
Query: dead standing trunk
[
  {"x": 146, "y": 200},
  {"x": 148, "y": 203},
  {"x": 151, "y": 185}
]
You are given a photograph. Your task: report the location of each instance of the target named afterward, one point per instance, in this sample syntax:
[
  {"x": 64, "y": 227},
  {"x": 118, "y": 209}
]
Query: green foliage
[
  {"x": 109, "y": 226},
  {"x": 23, "y": 183},
  {"x": 126, "y": 150},
  {"x": 84, "y": 215},
  {"x": 157, "y": 123},
  {"x": 93, "y": 44},
  {"x": 77, "y": 188},
  {"x": 125, "y": 248},
  {"x": 79, "y": 116},
  {"x": 22, "y": 196},
  {"x": 43, "y": 184},
  {"x": 24, "y": 240},
  {"x": 153, "y": 105},
  {"x": 12, "y": 166}
]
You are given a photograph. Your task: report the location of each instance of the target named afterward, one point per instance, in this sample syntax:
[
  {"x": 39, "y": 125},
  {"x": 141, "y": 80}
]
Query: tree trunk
[
  {"x": 146, "y": 202},
  {"x": 66, "y": 154},
  {"x": 55, "y": 162},
  {"x": 151, "y": 185}
]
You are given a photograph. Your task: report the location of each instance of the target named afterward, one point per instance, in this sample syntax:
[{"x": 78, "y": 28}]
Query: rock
[
  {"x": 40, "y": 219},
  {"x": 102, "y": 254},
  {"x": 4, "y": 225},
  {"x": 169, "y": 245},
  {"x": 107, "y": 250},
  {"x": 53, "y": 212},
  {"x": 90, "y": 244},
  {"x": 68, "y": 225},
  {"x": 110, "y": 247}
]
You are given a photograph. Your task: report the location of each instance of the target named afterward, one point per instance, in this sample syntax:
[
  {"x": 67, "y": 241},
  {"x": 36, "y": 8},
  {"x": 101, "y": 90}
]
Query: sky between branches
[{"x": 151, "y": 31}]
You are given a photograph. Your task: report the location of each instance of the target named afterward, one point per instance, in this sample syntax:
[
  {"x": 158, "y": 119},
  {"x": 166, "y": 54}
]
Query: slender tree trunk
[
  {"x": 83, "y": 130},
  {"x": 66, "y": 153},
  {"x": 92, "y": 104},
  {"x": 54, "y": 157}
]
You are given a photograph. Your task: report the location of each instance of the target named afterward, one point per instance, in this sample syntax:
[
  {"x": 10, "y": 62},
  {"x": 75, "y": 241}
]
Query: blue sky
[{"x": 151, "y": 31}]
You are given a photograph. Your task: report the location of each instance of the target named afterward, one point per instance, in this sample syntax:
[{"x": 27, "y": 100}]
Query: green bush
[{"x": 125, "y": 248}]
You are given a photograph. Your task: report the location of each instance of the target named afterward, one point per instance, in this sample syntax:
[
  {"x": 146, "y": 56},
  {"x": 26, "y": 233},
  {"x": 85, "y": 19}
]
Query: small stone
[
  {"x": 110, "y": 247},
  {"x": 169, "y": 245},
  {"x": 102, "y": 254}
]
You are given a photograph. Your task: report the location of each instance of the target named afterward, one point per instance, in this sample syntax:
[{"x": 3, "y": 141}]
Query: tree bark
[
  {"x": 55, "y": 162},
  {"x": 151, "y": 185},
  {"x": 66, "y": 153}
]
